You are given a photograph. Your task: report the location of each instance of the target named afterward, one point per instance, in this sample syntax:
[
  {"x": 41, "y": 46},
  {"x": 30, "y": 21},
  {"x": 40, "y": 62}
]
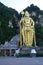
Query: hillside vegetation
[{"x": 9, "y": 19}]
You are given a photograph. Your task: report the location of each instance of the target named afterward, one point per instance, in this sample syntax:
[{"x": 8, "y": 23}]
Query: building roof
[{"x": 16, "y": 37}]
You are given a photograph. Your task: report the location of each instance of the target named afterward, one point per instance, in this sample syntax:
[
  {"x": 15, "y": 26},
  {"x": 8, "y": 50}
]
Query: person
[
  {"x": 17, "y": 51},
  {"x": 27, "y": 31}
]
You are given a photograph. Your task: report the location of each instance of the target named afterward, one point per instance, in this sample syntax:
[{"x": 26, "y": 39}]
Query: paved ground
[{"x": 21, "y": 61}]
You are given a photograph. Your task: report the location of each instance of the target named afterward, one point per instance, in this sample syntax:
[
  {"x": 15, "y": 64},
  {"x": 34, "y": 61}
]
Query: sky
[{"x": 19, "y": 5}]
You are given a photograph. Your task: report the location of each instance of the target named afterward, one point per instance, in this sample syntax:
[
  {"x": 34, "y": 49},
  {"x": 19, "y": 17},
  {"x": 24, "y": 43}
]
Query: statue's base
[{"x": 27, "y": 50}]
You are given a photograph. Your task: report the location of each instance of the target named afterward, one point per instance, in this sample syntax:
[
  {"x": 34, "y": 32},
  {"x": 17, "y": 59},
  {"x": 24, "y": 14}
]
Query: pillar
[
  {"x": 5, "y": 52},
  {"x": 10, "y": 52}
]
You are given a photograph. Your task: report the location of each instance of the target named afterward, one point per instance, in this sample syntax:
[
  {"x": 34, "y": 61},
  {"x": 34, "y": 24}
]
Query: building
[{"x": 10, "y": 47}]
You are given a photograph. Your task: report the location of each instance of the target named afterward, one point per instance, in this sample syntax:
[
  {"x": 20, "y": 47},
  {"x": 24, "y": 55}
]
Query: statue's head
[{"x": 26, "y": 14}]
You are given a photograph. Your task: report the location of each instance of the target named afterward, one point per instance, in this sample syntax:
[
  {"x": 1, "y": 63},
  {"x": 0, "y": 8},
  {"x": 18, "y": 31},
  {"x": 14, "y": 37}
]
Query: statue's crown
[{"x": 27, "y": 14}]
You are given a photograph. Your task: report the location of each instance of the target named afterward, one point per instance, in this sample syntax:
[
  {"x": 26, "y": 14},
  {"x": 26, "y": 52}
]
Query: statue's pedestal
[{"x": 27, "y": 50}]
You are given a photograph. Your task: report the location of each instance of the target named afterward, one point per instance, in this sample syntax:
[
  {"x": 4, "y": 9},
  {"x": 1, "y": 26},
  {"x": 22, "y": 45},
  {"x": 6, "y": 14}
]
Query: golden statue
[{"x": 27, "y": 31}]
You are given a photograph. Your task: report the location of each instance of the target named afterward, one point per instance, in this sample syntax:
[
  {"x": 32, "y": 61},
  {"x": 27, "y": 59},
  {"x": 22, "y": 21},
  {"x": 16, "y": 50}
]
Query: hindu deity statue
[{"x": 27, "y": 30}]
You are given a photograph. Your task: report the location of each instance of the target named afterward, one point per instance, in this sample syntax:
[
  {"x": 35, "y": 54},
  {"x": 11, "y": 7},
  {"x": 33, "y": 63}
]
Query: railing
[{"x": 8, "y": 47}]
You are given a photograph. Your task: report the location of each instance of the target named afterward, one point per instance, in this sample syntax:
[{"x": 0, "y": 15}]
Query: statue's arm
[
  {"x": 34, "y": 36},
  {"x": 34, "y": 33},
  {"x": 32, "y": 23}
]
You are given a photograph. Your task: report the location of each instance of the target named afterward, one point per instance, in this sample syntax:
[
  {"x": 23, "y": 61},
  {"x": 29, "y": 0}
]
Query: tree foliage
[{"x": 6, "y": 15}]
